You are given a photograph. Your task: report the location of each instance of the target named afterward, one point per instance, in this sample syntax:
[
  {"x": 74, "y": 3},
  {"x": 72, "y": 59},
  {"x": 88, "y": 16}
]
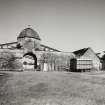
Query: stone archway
[{"x": 29, "y": 61}]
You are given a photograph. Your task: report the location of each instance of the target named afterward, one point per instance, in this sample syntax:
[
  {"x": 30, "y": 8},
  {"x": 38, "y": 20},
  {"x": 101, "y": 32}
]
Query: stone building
[{"x": 32, "y": 54}]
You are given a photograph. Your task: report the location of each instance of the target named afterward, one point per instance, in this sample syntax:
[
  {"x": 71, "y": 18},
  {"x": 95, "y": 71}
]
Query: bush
[{"x": 8, "y": 61}]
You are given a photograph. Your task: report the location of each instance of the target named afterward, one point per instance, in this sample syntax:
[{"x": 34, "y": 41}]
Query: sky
[{"x": 66, "y": 25}]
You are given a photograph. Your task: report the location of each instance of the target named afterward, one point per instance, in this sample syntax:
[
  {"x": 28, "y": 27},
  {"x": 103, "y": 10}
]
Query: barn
[{"x": 88, "y": 54}]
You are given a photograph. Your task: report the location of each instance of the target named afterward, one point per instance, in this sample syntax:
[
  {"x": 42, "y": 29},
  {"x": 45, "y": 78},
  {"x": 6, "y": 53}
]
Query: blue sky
[{"x": 66, "y": 25}]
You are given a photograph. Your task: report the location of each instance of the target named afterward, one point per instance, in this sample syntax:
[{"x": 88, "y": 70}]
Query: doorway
[{"x": 29, "y": 61}]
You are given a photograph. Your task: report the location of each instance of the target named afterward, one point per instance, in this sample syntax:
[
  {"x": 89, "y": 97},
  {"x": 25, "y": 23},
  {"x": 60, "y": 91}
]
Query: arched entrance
[{"x": 29, "y": 61}]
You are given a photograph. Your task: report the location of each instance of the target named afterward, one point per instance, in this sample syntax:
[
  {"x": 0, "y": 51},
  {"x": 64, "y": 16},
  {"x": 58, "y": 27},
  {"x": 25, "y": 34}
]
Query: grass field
[{"x": 52, "y": 88}]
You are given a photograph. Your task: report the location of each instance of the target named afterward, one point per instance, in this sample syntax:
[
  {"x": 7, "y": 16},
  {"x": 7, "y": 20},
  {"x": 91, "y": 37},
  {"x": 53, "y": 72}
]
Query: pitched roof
[
  {"x": 15, "y": 43},
  {"x": 50, "y": 48},
  {"x": 29, "y": 32},
  {"x": 80, "y": 52}
]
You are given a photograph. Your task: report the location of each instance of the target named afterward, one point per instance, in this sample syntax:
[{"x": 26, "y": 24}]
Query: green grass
[{"x": 52, "y": 88}]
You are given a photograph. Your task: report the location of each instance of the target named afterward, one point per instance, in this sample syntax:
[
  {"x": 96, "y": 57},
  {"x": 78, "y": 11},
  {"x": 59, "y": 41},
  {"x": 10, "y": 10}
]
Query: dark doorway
[
  {"x": 73, "y": 65},
  {"x": 33, "y": 56}
]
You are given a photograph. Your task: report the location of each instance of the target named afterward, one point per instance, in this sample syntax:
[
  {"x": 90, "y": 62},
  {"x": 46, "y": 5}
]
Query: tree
[{"x": 57, "y": 61}]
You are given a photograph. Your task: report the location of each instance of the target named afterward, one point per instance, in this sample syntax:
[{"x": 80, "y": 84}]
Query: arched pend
[{"x": 34, "y": 58}]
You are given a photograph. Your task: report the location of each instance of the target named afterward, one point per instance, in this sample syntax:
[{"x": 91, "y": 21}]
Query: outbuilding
[{"x": 88, "y": 53}]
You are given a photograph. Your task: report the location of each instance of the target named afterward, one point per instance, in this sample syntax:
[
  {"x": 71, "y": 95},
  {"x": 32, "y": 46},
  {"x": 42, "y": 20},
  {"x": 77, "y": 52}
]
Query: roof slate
[
  {"x": 80, "y": 52},
  {"x": 29, "y": 32}
]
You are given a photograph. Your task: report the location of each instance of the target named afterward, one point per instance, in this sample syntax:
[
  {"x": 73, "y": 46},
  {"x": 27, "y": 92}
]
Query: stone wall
[{"x": 54, "y": 61}]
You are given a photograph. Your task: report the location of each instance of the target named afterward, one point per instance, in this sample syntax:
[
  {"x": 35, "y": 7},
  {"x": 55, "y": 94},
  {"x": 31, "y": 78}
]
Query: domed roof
[{"x": 29, "y": 32}]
